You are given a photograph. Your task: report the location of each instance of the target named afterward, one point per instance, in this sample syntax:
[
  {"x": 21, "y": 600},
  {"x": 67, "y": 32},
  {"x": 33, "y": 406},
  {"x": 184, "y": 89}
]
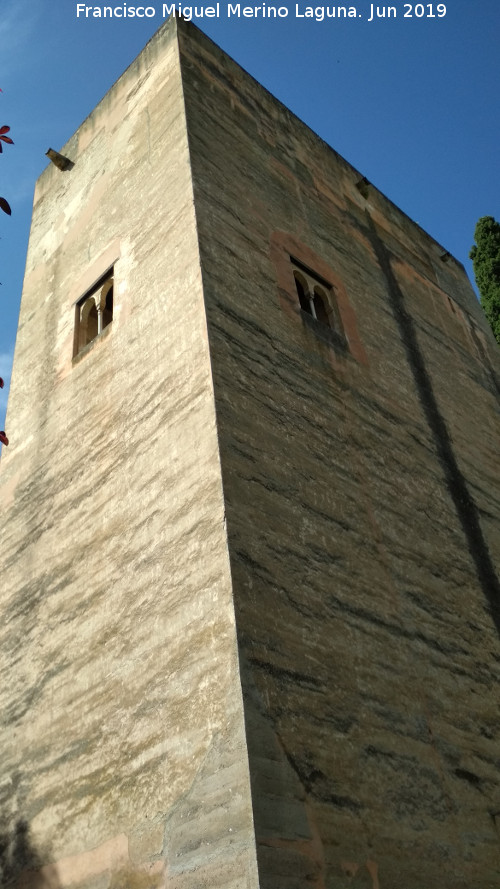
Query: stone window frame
[
  {"x": 317, "y": 299},
  {"x": 344, "y": 341},
  {"x": 93, "y": 312}
]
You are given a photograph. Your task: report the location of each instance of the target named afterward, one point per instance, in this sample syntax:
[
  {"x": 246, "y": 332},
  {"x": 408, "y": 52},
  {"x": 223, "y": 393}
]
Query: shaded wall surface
[
  {"x": 123, "y": 758},
  {"x": 362, "y": 501}
]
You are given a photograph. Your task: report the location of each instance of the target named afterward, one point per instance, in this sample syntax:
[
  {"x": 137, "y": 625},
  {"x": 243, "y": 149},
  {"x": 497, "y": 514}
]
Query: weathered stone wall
[
  {"x": 122, "y": 742},
  {"x": 363, "y": 508},
  {"x": 360, "y": 485}
]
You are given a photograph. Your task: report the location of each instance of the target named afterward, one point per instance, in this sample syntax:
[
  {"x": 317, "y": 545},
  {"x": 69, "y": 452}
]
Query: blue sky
[{"x": 412, "y": 102}]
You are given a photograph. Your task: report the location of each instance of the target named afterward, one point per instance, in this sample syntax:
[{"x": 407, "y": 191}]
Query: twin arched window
[
  {"x": 94, "y": 312},
  {"x": 315, "y": 297},
  {"x": 318, "y": 306},
  {"x": 312, "y": 300}
]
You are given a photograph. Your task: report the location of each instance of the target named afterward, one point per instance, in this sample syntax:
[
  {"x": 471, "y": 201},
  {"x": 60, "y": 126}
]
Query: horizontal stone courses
[
  {"x": 230, "y": 214},
  {"x": 325, "y": 720},
  {"x": 392, "y": 671},
  {"x": 245, "y": 325},
  {"x": 370, "y": 421},
  {"x": 399, "y": 761},
  {"x": 417, "y": 552},
  {"x": 268, "y": 562},
  {"x": 341, "y": 532},
  {"x": 257, "y": 361},
  {"x": 470, "y": 376},
  {"x": 276, "y": 419},
  {"x": 318, "y": 785},
  {"x": 425, "y": 601},
  {"x": 371, "y": 619},
  {"x": 368, "y": 405},
  {"x": 257, "y": 568},
  {"x": 296, "y": 496},
  {"x": 285, "y": 675},
  {"x": 330, "y": 518},
  {"x": 400, "y": 621}
]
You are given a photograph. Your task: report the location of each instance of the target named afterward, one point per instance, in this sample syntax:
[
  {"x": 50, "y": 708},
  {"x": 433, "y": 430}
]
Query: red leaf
[
  {"x": 5, "y": 207},
  {"x": 7, "y": 139},
  {"x": 4, "y": 130},
  {"x": 1, "y": 383},
  {"x": 3, "y": 438}
]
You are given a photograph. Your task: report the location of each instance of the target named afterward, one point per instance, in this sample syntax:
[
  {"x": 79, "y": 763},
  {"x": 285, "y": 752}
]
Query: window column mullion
[{"x": 311, "y": 303}]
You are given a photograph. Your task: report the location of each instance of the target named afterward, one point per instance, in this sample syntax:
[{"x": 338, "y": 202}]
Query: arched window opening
[
  {"x": 312, "y": 298},
  {"x": 107, "y": 314},
  {"x": 92, "y": 323},
  {"x": 305, "y": 302},
  {"x": 320, "y": 305},
  {"x": 94, "y": 312}
]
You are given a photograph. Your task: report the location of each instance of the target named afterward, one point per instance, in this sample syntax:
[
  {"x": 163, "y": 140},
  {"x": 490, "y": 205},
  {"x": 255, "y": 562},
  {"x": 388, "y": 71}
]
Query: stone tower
[{"x": 250, "y": 514}]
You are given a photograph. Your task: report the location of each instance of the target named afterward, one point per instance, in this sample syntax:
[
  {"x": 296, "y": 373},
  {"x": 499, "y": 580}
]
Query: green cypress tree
[{"x": 485, "y": 255}]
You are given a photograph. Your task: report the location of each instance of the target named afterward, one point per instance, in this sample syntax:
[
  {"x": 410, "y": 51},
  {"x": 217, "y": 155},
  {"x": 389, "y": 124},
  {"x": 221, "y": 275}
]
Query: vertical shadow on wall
[
  {"x": 20, "y": 862},
  {"x": 464, "y": 504}
]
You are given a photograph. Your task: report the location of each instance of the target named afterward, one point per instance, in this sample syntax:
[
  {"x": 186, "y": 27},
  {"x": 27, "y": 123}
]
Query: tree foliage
[{"x": 485, "y": 255}]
